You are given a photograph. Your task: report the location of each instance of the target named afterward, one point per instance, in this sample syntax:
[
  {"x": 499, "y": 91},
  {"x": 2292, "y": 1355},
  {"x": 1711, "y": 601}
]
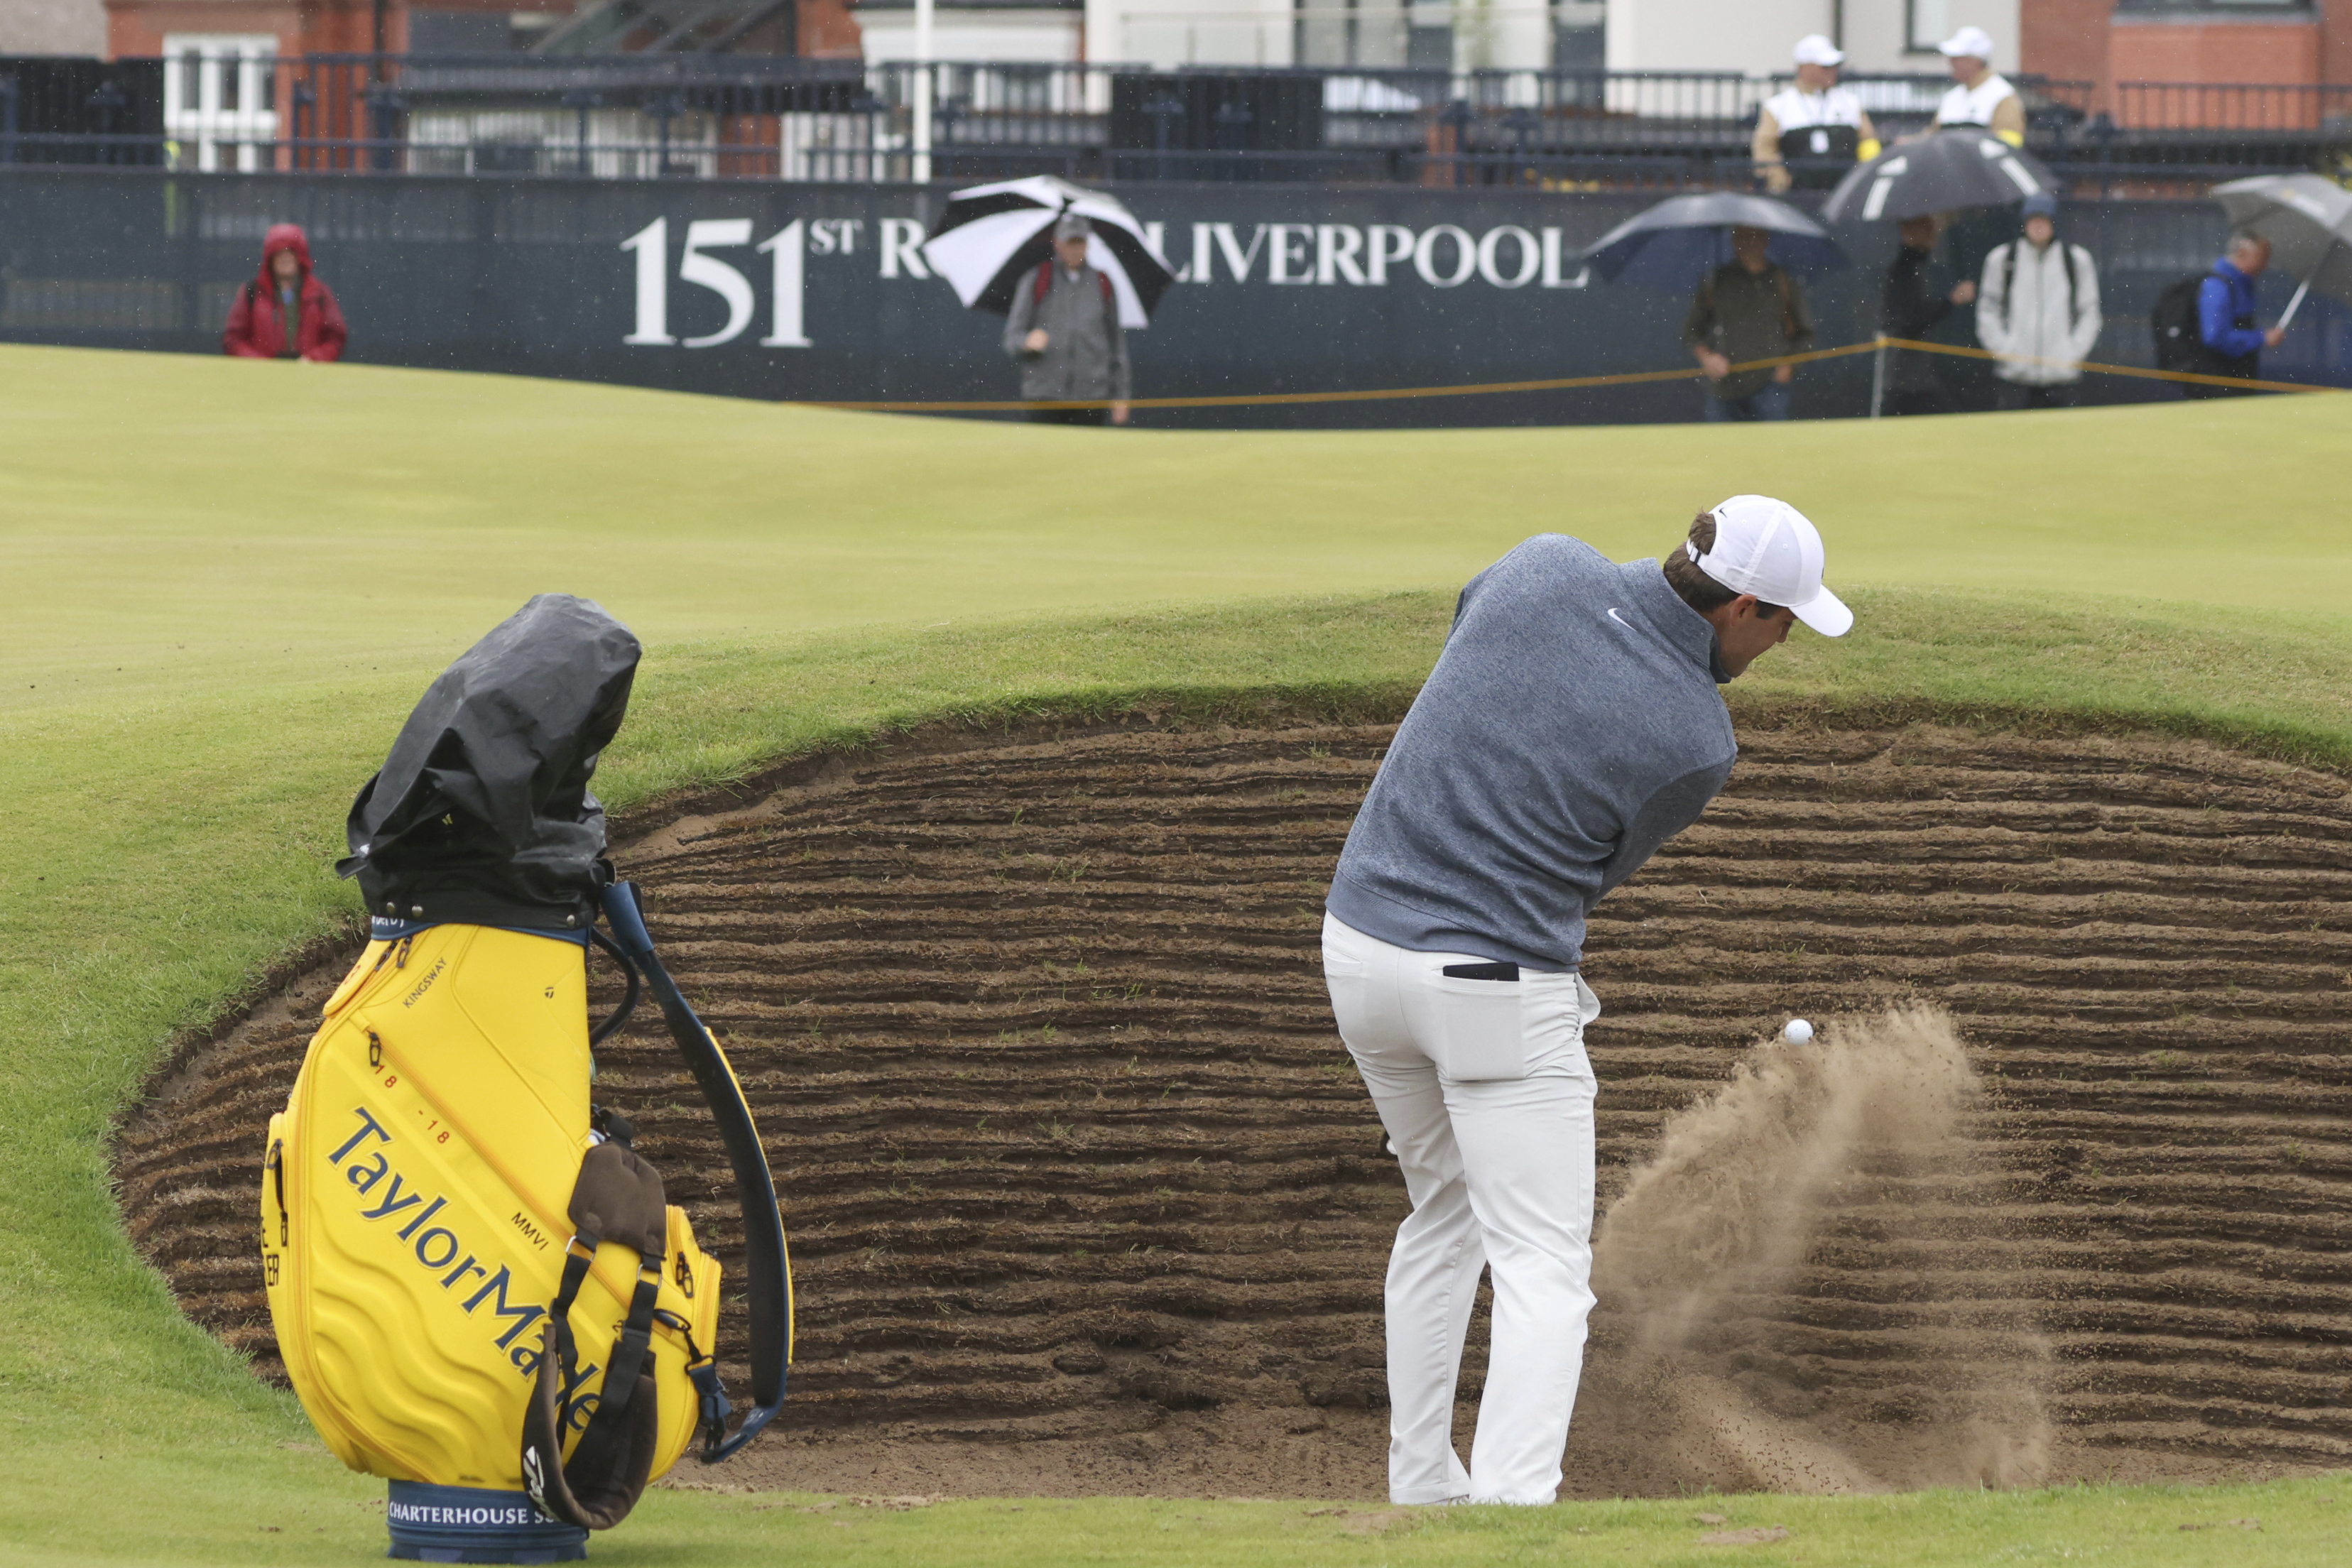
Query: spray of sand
[{"x": 1722, "y": 1356}]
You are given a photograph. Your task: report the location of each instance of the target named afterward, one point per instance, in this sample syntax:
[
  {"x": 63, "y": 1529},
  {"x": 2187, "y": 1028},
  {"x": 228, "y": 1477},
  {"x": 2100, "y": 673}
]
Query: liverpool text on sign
[{"x": 1444, "y": 256}]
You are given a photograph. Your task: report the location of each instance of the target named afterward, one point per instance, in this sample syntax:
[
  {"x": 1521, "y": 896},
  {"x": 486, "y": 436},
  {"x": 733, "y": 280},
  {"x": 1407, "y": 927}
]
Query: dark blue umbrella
[{"x": 1685, "y": 239}]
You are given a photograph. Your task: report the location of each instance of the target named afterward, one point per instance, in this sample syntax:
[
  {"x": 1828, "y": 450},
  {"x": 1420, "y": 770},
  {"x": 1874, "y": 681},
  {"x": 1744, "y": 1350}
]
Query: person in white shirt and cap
[
  {"x": 1572, "y": 725},
  {"x": 1813, "y": 131},
  {"x": 1981, "y": 95}
]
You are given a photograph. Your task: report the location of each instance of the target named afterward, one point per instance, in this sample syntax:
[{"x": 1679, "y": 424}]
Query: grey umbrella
[
  {"x": 1682, "y": 240},
  {"x": 1961, "y": 167},
  {"x": 2308, "y": 221}
]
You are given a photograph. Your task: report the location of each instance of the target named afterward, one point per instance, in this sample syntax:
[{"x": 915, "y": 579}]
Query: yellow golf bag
[{"x": 479, "y": 1291}]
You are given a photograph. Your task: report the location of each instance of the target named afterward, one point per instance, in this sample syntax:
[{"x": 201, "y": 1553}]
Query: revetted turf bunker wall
[{"x": 1084, "y": 1195}]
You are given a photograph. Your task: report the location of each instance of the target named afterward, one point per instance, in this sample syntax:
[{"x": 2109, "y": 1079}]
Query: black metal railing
[
  {"x": 2285, "y": 109},
  {"x": 671, "y": 115}
]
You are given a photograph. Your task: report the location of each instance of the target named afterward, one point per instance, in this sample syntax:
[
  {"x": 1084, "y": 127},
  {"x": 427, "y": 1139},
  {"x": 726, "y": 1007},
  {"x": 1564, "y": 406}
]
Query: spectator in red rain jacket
[{"x": 286, "y": 313}]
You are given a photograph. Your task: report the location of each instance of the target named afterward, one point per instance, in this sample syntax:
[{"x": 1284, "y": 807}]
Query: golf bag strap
[
  {"x": 600, "y": 1447},
  {"x": 767, "y": 1265},
  {"x": 575, "y": 1270},
  {"x": 702, "y": 1369},
  {"x": 611, "y": 1463},
  {"x": 561, "y": 1344}
]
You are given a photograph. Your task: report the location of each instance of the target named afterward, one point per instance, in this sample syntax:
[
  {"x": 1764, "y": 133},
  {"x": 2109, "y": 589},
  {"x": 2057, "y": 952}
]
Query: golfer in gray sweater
[{"x": 1571, "y": 726}]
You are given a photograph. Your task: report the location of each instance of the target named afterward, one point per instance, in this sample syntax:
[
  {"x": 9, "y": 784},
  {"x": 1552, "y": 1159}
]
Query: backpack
[
  {"x": 2065, "y": 259},
  {"x": 478, "y": 1289},
  {"x": 2179, "y": 337},
  {"x": 1045, "y": 283}
]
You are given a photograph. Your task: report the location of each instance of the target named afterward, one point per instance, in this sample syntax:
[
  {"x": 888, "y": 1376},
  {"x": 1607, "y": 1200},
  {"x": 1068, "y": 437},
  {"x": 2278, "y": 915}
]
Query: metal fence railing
[
  {"x": 2288, "y": 110},
  {"x": 763, "y": 117}
]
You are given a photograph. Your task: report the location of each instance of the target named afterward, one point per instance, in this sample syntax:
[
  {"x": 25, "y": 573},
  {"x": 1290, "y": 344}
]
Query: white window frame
[
  {"x": 203, "y": 121},
  {"x": 1914, "y": 41}
]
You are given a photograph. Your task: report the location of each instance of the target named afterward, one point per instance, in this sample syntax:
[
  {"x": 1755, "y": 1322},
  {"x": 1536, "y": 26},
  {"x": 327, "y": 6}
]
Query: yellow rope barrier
[
  {"x": 1377, "y": 395},
  {"x": 1557, "y": 383},
  {"x": 2141, "y": 373}
]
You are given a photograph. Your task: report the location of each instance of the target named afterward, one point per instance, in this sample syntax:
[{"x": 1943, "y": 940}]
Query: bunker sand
[
  {"x": 1694, "y": 1372},
  {"x": 1085, "y": 1198}
]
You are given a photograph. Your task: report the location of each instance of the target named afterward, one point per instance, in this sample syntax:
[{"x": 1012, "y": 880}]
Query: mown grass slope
[{"x": 226, "y": 582}]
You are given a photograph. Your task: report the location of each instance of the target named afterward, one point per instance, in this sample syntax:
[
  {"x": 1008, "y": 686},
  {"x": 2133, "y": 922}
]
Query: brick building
[
  {"x": 147, "y": 27},
  {"x": 2303, "y": 42},
  {"x": 2110, "y": 41}
]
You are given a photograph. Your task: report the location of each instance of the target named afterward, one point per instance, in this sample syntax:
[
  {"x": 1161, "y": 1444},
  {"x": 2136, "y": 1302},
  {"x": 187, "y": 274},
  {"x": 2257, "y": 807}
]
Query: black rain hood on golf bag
[{"x": 481, "y": 814}]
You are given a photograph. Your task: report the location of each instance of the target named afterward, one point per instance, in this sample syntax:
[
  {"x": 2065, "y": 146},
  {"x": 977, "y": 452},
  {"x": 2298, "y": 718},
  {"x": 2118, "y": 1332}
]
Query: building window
[
  {"x": 1580, "y": 35},
  {"x": 1429, "y": 36},
  {"x": 462, "y": 33},
  {"x": 1927, "y": 23},
  {"x": 1358, "y": 33},
  {"x": 218, "y": 92}
]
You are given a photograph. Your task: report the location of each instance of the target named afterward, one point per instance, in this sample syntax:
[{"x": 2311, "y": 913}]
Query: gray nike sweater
[{"x": 1571, "y": 726}]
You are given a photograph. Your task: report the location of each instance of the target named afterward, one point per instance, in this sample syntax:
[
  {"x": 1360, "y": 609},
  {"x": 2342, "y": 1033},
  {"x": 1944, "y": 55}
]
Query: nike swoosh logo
[{"x": 1619, "y": 619}]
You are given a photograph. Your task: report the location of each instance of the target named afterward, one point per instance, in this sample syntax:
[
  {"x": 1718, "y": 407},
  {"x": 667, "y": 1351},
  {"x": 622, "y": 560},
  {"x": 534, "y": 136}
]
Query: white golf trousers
[{"x": 1486, "y": 1095}]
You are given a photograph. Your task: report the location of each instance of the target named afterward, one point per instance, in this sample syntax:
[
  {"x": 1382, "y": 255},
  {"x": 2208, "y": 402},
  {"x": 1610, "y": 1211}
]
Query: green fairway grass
[
  {"x": 226, "y": 582},
  {"x": 206, "y": 524},
  {"x": 308, "y": 1511}
]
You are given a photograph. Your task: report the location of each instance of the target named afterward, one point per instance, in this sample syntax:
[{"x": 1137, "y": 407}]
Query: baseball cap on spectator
[
  {"x": 1814, "y": 49},
  {"x": 1968, "y": 41},
  {"x": 1770, "y": 549},
  {"x": 2041, "y": 204},
  {"x": 1072, "y": 226}
]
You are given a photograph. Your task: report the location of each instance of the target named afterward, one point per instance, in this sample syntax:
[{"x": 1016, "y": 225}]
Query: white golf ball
[{"x": 1798, "y": 1031}]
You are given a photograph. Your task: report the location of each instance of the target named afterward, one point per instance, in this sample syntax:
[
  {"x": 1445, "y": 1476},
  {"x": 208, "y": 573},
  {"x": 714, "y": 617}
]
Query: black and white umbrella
[
  {"x": 1684, "y": 239},
  {"x": 1961, "y": 167},
  {"x": 2307, "y": 218},
  {"x": 990, "y": 239}
]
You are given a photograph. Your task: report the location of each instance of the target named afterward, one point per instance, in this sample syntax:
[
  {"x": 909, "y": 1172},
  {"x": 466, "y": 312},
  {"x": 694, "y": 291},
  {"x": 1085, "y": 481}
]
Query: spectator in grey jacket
[
  {"x": 2038, "y": 309},
  {"x": 1064, "y": 328}
]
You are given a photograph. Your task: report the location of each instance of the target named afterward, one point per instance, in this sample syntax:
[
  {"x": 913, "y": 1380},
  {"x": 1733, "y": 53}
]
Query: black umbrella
[
  {"x": 1683, "y": 239},
  {"x": 989, "y": 238},
  {"x": 1962, "y": 167}
]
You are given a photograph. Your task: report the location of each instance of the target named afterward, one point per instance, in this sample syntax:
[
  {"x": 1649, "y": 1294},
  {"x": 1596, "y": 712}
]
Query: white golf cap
[
  {"x": 1968, "y": 41},
  {"x": 1770, "y": 549},
  {"x": 1815, "y": 49}
]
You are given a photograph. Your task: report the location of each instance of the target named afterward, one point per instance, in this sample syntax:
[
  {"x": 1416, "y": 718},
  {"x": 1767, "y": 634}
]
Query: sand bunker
[{"x": 1084, "y": 1197}]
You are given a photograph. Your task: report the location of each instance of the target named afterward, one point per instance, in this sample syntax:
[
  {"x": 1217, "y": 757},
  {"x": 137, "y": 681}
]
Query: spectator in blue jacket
[{"x": 2225, "y": 318}]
